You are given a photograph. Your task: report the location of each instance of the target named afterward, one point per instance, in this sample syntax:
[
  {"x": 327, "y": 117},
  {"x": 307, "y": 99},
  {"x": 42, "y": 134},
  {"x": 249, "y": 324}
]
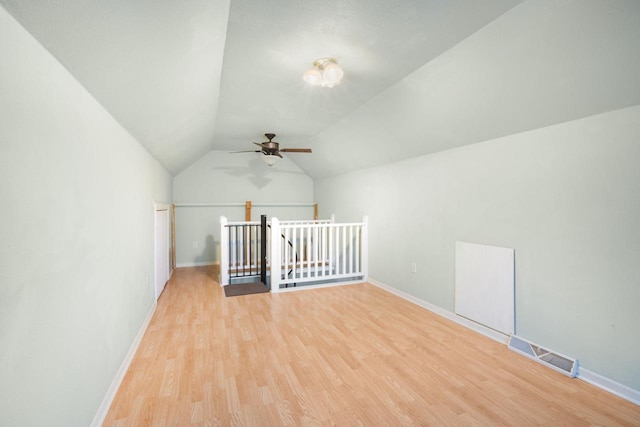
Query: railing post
[
  {"x": 365, "y": 248},
  {"x": 276, "y": 254},
  {"x": 263, "y": 249},
  {"x": 173, "y": 237},
  {"x": 247, "y": 211},
  {"x": 224, "y": 252},
  {"x": 333, "y": 218}
]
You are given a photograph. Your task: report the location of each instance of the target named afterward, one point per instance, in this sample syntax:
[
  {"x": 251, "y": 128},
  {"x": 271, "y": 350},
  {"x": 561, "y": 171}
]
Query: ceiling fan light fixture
[
  {"x": 325, "y": 72},
  {"x": 270, "y": 159}
]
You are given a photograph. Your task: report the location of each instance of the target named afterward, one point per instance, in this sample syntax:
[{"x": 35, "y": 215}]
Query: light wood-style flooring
[{"x": 345, "y": 356}]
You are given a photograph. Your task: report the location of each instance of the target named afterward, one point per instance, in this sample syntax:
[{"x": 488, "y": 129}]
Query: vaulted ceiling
[{"x": 185, "y": 77}]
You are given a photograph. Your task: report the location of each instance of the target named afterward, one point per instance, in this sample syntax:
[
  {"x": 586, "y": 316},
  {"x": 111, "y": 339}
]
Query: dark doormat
[{"x": 245, "y": 289}]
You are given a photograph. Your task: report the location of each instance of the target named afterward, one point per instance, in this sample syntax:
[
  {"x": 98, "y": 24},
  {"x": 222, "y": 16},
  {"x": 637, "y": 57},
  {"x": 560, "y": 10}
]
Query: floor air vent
[{"x": 558, "y": 362}]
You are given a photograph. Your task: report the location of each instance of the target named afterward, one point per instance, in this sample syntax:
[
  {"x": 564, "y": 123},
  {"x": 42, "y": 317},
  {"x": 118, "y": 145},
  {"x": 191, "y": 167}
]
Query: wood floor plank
[{"x": 348, "y": 356}]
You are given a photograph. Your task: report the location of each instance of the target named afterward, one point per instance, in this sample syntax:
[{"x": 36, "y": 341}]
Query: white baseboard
[
  {"x": 196, "y": 264},
  {"x": 593, "y": 378},
  {"x": 98, "y": 419},
  {"x": 609, "y": 385}
]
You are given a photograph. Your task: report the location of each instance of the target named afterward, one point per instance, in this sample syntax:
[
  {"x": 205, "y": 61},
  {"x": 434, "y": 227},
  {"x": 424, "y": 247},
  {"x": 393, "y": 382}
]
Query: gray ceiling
[{"x": 420, "y": 76}]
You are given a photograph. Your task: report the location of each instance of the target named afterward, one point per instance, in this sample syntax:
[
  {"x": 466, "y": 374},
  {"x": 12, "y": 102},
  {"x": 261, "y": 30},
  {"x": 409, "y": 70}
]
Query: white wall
[
  {"x": 566, "y": 197},
  {"x": 76, "y": 239},
  {"x": 220, "y": 177}
]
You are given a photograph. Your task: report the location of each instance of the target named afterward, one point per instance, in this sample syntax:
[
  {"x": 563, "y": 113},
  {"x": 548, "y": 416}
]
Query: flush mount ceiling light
[{"x": 325, "y": 72}]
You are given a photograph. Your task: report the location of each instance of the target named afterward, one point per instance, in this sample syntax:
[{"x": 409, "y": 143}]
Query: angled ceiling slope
[
  {"x": 377, "y": 42},
  {"x": 420, "y": 75},
  {"x": 153, "y": 64},
  {"x": 541, "y": 63},
  {"x": 156, "y": 65}
]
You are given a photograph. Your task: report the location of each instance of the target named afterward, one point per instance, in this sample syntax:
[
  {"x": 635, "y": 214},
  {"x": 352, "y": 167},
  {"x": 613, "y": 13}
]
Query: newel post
[
  {"x": 276, "y": 253},
  {"x": 365, "y": 247},
  {"x": 247, "y": 211},
  {"x": 224, "y": 252},
  {"x": 263, "y": 249}
]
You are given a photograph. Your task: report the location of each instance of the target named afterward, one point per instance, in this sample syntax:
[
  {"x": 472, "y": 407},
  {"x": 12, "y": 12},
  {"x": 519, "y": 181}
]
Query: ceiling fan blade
[
  {"x": 246, "y": 151},
  {"x": 278, "y": 154},
  {"x": 296, "y": 150},
  {"x": 260, "y": 144}
]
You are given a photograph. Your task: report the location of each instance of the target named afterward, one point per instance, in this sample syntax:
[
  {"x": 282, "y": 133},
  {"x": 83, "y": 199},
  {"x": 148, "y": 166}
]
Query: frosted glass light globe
[
  {"x": 313, "y": 77},
  {"x": 332, "y": 74}
]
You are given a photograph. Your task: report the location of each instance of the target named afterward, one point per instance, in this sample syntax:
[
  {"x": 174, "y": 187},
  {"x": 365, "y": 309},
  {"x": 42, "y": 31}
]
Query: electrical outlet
[
  {"x": 414, "y": 267},
  {"x": 195, "y": 244}
]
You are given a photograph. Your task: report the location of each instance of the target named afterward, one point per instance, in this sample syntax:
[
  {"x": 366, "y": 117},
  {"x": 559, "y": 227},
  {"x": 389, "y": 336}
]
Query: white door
[{"x": 161, "y": 249}]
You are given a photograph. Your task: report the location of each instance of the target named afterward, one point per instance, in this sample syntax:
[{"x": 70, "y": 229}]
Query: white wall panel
[{"x": 484, "y": 287}]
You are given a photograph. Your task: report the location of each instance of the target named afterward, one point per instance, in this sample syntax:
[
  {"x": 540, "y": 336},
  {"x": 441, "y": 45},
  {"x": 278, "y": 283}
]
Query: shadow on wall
[
  {"x": 257, "y": 172},
  {"x": 209, "y": 253}
]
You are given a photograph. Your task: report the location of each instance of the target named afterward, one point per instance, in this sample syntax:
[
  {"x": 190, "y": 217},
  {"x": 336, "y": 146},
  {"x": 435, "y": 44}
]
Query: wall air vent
[{"x": 558, "y": 362}]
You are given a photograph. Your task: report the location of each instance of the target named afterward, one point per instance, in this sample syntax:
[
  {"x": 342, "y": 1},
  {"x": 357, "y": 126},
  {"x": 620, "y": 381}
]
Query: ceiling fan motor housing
[{"x": 270, "y": 148}]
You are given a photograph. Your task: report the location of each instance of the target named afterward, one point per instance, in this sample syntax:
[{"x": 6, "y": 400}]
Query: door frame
[{"x": 162, "y": 248}]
